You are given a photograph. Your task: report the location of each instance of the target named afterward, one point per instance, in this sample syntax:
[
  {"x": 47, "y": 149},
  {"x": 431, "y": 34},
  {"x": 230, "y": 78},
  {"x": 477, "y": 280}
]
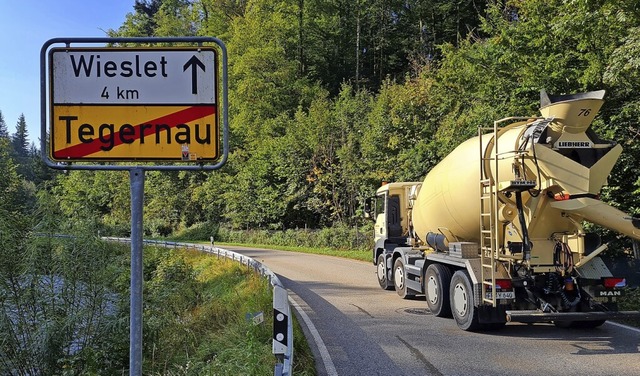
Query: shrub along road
[{"x": 368, "y": 331}]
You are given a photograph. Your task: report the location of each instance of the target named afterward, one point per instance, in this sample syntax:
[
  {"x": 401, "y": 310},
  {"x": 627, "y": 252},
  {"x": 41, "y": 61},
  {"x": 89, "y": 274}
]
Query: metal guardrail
[{"x": 282, "y": 322}]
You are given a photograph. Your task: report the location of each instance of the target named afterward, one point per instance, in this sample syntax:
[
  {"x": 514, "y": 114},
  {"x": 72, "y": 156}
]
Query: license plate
[{"x": 502, "y": 295}]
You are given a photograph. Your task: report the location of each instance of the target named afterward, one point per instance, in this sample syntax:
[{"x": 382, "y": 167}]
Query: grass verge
[
  {"x": 214, "y": 337},
  {"x": 349, "y": 254}
]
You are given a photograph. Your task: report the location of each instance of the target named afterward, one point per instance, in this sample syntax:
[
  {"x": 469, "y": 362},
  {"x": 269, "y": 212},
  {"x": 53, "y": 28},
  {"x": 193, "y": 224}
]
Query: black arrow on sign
[{"x": 194, "y": 62}]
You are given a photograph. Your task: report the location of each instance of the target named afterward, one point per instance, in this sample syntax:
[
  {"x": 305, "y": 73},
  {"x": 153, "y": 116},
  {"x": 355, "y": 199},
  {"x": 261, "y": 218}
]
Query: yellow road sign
[{"x": 185, "y": 133}]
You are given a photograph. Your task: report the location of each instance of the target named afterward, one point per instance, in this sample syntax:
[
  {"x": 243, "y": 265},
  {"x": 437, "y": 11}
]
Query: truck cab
[{"x": 391, "y": 210}]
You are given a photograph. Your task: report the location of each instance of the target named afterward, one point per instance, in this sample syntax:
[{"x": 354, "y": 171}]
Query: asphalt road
[{"x": 359, "y": 329}]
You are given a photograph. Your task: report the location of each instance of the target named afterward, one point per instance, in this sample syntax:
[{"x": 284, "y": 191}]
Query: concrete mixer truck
[{"x": 495, "y": 234}]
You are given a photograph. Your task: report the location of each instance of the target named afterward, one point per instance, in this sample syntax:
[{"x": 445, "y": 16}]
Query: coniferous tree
[
  {"x": 20, "y": 139},
  {"x": 4, "y": 131}
]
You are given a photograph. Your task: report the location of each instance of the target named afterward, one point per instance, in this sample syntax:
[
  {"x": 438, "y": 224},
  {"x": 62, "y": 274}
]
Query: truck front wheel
[
  {"x": 461, "y": 295},
  {"x": 437, "y": 281},
  {"x": 381, "y": 271}
]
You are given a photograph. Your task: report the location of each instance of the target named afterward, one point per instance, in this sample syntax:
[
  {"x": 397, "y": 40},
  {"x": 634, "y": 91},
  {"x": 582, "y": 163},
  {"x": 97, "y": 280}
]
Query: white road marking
[
  {"x": 624, "y": 326},
  {"x": 324, "y": 353}
]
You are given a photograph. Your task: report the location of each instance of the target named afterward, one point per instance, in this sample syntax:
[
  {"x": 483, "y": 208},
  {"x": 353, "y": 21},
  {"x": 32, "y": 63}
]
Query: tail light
[
  {"x": 562, "y": 196},
  {"x": 613, "y": 282},
  {"x": 503, "y": 284}
]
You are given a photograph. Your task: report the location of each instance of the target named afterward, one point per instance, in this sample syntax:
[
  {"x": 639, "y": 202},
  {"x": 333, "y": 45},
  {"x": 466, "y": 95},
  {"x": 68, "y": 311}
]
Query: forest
[{"x": 328, "y": 99}]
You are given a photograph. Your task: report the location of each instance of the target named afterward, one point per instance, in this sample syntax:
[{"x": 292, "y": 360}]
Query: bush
[
  {"x": 339, "y": 237},
  {"x": 198, "y": 232},
  {"x": 631, "y": 302},
  {"x": 62, "y": 312},
  {"x": 212, "y": 336},
  {"x": 65, "y": 311}
]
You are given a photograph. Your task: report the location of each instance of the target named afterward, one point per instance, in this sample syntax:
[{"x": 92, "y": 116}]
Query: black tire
[
  {"x": 437, "y": 280},
  {"x": 461, "y": 297},
  {"x": 381, "y": 272},
  {"x": 399, "y": 279}
]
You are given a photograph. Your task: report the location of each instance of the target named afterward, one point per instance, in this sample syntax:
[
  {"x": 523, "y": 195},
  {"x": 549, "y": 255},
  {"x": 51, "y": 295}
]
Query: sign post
[
  {"x": 136, "y": 178},
  {"x": 109, "y": 105}
]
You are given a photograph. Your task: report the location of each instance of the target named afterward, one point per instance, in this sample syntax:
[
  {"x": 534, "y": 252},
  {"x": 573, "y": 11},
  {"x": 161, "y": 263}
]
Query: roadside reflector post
[
  {"x": 280, "y": 320},
  {"x": 282, "y": 331}
]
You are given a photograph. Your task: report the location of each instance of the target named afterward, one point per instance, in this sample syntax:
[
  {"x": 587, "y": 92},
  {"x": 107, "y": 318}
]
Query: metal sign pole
[{"x": 136, "y": 178}]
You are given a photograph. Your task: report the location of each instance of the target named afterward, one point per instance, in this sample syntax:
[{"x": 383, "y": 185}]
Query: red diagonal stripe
[{"x": 171, "y": 120}]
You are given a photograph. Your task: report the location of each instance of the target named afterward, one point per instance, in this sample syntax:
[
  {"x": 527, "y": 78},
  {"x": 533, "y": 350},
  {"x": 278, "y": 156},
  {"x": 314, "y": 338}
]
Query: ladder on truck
[{"x": 489, "y": 201}]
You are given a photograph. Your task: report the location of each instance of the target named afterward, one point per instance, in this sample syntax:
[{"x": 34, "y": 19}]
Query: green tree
[
  {"x": 176, "y": 18},
  {"x": 100, "y": 198},
  {"x": 141, "y": 22},
  {"x": 338, "y": 170},
  {"x": 216, "y": 16},
  {"x": 623, "y": 81},
  {"x": 20, "y": 139},
  {"x": 9, "y": 184},
  {"x": 331, "y": 97},
  {"x": 4, "y": 131},
  {"x": 170, "y": 203},
  {"x": 160, "y": 18}
]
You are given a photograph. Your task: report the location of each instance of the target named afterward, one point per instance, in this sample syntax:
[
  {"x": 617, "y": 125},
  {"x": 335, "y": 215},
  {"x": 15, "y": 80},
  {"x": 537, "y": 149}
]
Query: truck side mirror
[{"x": 368, "y": 207}]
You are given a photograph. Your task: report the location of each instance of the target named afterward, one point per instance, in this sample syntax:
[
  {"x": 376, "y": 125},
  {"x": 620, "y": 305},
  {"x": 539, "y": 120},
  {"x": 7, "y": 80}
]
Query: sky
[{"x": 25, "y": 25}]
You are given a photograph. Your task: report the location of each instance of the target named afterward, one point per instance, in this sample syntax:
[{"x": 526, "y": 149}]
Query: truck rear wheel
[
  {"x": 399, "y": 279},
  {"x": 461, "y": 295},
  {"x": 437, "y": 279},
  {"x": 381, "y": 271}
]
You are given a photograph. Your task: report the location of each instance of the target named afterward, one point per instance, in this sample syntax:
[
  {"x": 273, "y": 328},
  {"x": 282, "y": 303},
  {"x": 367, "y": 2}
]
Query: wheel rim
[
  {"x": 460, "y": 299},
  {"x": 381, "y": 276},
  {"x": 399, "y": 277},
  {"x": 432, "y": 290}
]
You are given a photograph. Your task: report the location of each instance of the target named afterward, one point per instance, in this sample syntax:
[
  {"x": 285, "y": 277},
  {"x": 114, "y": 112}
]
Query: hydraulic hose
[{"x": 526, "y": 245}]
